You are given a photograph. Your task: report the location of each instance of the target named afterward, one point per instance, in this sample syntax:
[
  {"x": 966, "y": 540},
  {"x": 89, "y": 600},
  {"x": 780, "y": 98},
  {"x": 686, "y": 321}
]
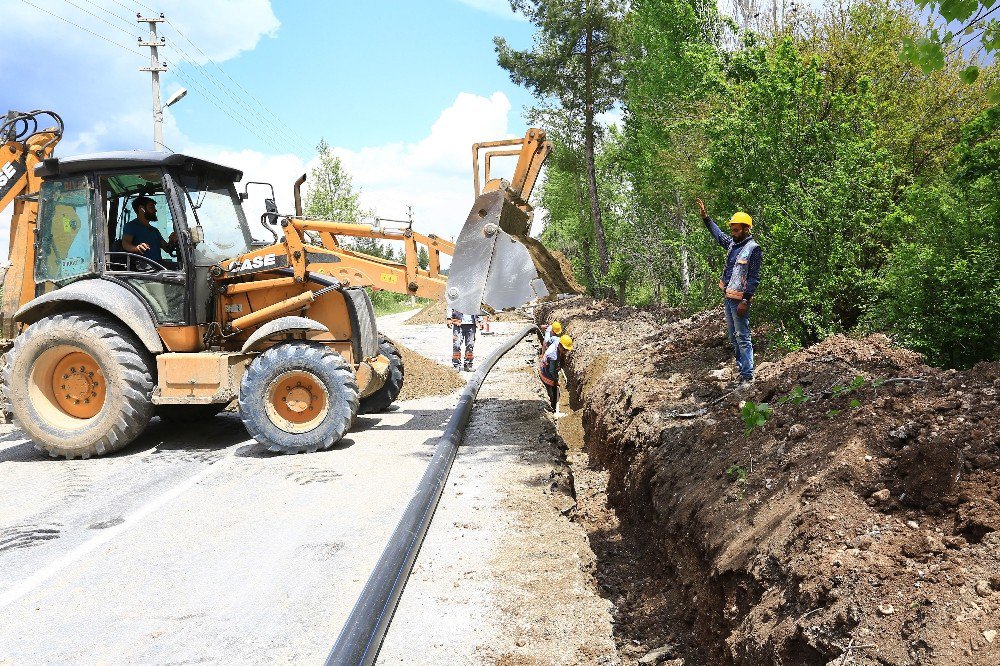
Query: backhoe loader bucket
[
  {"x": 495, "y": 262},
  {"x": 489, "y": 266}
]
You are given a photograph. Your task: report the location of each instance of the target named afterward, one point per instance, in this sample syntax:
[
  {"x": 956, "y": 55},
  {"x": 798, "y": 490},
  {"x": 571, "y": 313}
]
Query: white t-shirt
[
  {"x": 466, "y": 318},
  {"x": 552, "y": 352},
  {"x": 550, "y": 337}
]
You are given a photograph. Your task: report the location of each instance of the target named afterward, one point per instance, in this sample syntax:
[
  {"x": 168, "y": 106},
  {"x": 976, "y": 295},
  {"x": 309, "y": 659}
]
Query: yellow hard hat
[
  {"x": 741, "y": 218},
  {"x": 556, "y": 327},
  {"x": 566, "y": 342}
]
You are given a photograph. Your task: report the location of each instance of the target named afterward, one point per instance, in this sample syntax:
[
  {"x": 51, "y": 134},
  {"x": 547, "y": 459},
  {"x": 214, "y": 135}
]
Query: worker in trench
[
  {"x": 552, "y": 334},
  {"x": 463, "y": 333},
  {"x": 549, "y": 365},
  {"x": 740, "y": 279}
]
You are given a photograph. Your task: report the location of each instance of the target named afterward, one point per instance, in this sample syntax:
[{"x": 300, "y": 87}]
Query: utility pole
[{"x": 155, "y": 67}]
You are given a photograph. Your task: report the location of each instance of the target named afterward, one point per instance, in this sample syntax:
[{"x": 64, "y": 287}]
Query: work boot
[{"x": 468, "y": 367}]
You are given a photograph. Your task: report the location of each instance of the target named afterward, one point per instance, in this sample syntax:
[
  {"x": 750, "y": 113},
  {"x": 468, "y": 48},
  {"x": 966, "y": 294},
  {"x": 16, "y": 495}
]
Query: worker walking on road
[
  {"x": 550, "y": 364},
  {"x": 463, "y": 331},
  {"x": 739, "y": 282}
]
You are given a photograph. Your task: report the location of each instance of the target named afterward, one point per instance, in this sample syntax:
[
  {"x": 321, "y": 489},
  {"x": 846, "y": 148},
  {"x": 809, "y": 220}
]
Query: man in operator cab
[{"x": 140, "y": 237}]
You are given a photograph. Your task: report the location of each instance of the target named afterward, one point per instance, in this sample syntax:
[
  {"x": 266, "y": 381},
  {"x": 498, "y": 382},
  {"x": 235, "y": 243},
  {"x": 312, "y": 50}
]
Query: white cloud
[
  {"x": 434, "y": 174},
  {"x": 497, "y": 7}
]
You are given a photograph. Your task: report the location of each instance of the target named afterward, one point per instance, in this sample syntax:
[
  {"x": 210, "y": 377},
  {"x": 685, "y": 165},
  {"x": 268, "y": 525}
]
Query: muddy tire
[
  {"x": 298, "y": 397},
  {"x": 380, "y": 400},
  {"x": 187, "y": 413},
  {"x": 80, "y": 384}
]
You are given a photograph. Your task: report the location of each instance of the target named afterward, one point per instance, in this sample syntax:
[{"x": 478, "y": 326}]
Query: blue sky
[{"x": 400, "y": 89}]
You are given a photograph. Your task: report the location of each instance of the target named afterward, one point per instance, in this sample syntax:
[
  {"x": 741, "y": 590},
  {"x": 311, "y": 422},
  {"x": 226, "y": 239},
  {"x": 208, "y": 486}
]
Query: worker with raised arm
[
  {"x": 739, "y": 282},
  {"x": 463, "y": 331},
  {"x": 141, "y": 237},
  {"x": 550, "y": 364},
  {"x": 552, "y": 333}
]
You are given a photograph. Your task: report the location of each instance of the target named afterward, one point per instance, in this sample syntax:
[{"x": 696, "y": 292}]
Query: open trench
[{"x": 859, "y": 523}]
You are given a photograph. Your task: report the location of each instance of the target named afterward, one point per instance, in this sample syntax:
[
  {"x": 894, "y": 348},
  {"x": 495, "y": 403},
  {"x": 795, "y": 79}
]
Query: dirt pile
[
  {"x": 434, "y": 313},
  {"x": 553, "y": 267},
  {"x": 856, "y": 523},
  {"x": 425, "y": 377}
]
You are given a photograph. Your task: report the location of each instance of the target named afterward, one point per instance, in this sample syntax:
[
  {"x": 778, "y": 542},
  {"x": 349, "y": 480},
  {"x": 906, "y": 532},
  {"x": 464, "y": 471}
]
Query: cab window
[
  {"x": 122, "y": 193},
  {"x": 65, "y": 241}
]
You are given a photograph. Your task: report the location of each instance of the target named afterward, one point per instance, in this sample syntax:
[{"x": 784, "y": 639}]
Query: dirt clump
[
  {"x": 434, "y": 313},
  {"x": 853, "y": 520},
  {"x": 553, "y": 267},
  {"x": 425, "y": 377}
]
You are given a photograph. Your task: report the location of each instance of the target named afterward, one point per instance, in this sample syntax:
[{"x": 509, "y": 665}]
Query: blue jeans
[{"x": 739, "y": 335}]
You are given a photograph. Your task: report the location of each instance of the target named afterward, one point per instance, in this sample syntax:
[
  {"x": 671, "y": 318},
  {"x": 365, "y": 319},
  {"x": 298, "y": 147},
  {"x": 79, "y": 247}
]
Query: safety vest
[
  {"x": 741, "y": 269},
  {"x": 543, "y": 363}
]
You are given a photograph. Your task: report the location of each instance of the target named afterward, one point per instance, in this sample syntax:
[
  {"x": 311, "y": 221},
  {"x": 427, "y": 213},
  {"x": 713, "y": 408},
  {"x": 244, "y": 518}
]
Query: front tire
[
  {"x": 298, "y": 397},
  {"x": 80, "y": 384},
  {"x": 380, "y": 400}
]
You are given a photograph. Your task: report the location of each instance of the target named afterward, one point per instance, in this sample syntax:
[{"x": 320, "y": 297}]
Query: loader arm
[{"x": 22, "y": 147}]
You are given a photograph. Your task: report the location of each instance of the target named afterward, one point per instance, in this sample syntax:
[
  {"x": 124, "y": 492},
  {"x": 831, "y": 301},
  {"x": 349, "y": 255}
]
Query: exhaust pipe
[{"x": 298, "y": 195}]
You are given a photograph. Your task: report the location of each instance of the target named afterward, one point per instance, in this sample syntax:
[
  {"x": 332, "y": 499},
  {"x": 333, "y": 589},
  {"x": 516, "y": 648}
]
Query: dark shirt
[
  {"x": 144, "y": 233},
  {"x": 753, "y": 264}
]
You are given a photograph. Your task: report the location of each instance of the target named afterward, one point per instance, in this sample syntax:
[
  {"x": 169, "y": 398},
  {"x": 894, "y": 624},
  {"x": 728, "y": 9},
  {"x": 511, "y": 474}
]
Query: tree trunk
[
  {"x": 621, "y": 293},
  {"x": 682, "y": 228},
  {"x": 588, "y": 148}
]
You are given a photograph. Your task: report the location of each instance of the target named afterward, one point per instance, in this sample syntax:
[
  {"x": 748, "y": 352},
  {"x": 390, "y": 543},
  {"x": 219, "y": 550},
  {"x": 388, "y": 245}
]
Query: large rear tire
[
  {"x": 298, "y": 397},
  {"x": 380, "y": 400},
  {"x": 80, "y": 384}
]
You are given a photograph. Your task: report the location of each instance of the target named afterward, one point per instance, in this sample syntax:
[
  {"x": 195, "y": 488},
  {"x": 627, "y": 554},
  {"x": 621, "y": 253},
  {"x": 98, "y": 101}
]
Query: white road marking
[{"x": 43, "y": 575}]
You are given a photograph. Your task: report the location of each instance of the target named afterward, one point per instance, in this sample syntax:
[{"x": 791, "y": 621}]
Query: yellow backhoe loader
[{"x": 104, "y": 331}]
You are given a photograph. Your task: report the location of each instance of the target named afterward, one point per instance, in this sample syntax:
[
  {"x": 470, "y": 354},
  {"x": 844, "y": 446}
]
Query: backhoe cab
[{"x": 118, "y": 315}]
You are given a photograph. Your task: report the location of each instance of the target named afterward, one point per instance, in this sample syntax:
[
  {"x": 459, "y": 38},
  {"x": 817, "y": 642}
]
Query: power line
[
  {"x": 267, "y": 125},
  {"x": 99, "y": 18},
  {"x": 61, "y": 18},
  {"x": 281, "y": 123},
  {"x": 230, "y": 109},
  {"x": 221, "y": 107}
]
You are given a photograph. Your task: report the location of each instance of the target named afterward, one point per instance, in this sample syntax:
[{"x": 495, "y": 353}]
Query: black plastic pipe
[{"x": 361, "y": 638}]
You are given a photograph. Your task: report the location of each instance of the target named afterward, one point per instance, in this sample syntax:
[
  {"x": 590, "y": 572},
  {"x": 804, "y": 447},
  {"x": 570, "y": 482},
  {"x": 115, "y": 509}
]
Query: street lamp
[{"x": 176, "y": 97}]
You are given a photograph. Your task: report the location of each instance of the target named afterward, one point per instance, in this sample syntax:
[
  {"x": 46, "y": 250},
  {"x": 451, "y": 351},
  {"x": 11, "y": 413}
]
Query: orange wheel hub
[
  {"x": 299, "y": 399},
  {"x": 78, "y": 385}
]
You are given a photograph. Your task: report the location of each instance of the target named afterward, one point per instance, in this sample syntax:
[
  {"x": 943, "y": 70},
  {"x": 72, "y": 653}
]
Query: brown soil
[
  {"x": 434, "y": 313},
  {"x": 424, "y": 377},
  {"x": 553, "y": 267},
  {"x": 858, "y": 527}
]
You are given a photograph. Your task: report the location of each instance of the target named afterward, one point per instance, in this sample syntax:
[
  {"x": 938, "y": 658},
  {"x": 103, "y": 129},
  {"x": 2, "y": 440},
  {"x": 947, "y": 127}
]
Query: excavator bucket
[
  {"x": 495, "y": 262},
  {"x": 489, "y": 266}
]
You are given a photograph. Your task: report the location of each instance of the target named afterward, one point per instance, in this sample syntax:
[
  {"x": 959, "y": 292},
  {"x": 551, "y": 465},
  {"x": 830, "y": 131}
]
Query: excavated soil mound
[
  {"x": 858, "y": 524},
  {"x": 424, "y": 377},
  {"x": 434, "y": 313}
]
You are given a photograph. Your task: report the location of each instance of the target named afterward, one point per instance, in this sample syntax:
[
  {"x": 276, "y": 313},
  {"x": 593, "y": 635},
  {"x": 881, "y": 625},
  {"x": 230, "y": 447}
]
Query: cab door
[{"x": 162, "y": 281}]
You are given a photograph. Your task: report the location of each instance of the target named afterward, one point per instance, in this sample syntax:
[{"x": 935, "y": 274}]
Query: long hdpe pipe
[{"x": 362, "y": 635}]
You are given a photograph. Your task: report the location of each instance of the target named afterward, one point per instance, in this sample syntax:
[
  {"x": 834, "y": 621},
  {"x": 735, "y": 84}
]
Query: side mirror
[{"x": 270, "y": 215}]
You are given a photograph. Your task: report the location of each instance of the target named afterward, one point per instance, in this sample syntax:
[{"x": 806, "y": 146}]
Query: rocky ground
[{"x": 851, "y": 520}]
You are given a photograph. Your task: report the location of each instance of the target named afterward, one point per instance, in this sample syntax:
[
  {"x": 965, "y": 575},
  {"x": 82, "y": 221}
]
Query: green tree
[
  {"x": 573, "y": 60},
  {"x": 423, "y": 258},
  {"x": 967, "y": 24},
  {"x": 331, "y": 193}
]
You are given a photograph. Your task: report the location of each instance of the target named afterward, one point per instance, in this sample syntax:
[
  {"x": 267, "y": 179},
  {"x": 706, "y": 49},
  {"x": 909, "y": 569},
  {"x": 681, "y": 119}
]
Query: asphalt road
[{"x": 195, "y": 545}]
